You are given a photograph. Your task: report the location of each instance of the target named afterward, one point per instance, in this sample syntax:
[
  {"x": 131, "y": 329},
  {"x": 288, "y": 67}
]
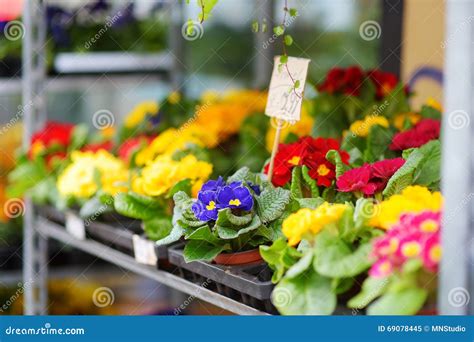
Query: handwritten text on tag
[{"x": 283, "y": 102}]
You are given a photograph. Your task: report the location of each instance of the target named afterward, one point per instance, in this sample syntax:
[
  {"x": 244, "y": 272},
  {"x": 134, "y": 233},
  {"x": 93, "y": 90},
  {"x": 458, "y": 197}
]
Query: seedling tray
[
  {"x": 119, "y": 237},
  {"x": 249, "y": 284}
]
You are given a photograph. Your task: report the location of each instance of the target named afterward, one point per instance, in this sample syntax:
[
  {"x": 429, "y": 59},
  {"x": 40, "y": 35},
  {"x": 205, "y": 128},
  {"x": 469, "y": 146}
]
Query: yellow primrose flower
[
  {"x": 300, "y": 128},
  {"x": 158, "y": 177},
  {"x": 306, "y": 221},
  {"x": 174, "y": 97},
  {"x": 108, "y": 133},
  {"x": 434, "y": 103},
  {"x": 78, "y": 178},
  {"x": 361, "y": 128},
  {"x": 168, "y": 142},
  {"x": 413, "y": 199},
  {"x": 399, "y": 119},
  {"x": 139, "y": 113}
]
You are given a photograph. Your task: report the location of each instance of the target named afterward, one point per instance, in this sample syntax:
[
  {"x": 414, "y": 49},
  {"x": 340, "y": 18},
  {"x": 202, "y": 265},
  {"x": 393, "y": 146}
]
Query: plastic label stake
[
  {"x": 75, "y": 226},
  {"x": 285, "y": 97},
  {"x": 144, "y": 251}
]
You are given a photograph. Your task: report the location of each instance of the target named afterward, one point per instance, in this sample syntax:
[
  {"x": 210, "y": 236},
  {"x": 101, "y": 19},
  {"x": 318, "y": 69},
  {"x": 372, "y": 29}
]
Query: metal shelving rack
[{"x": 38, "y": 230}]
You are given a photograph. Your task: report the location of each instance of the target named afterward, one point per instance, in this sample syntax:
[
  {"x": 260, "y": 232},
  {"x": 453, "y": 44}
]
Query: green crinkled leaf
[
  {"x": 422, "y": 167},
  {"x": 311, "y": 203},
  {"x": 201, "y": 250},
  {"x": 241, "y": 175},
  {"x": 342, "y": 285},
  {"x": 334, "y": 258},
  {"x": 231, "y": 232},
  {"x": 175, "y": 234},
  {"x": 94, "y": 207},
  {"x": 157, "y": 228},
  {"x": 182, "y": 200},
  {"x": 227, "y": 218},
  {"x": 183, "y": 185},
  {"x": 145, "y": 200},
  {"x": 78, "y": 137},
  {"x": 271, "y": 203},
  {"x": 378, "y": 139},
  {"x": 279, "y": 257},
  {"x": 204, "y": 234},
  {"x": 25, "y": 176},
  {"x": 406, "y": 302},
  {"x": 312, "y": 184},
  {"x": 127, "y": 205},
  {"x": 301, "y": 266},
  {"x": 371, "y": 289},
  {"x": 306, "y": 294},
  {"x": 334, "y": 157},
  {"x": 191, "y": 223},
  {"x": 295, "y": 186}
]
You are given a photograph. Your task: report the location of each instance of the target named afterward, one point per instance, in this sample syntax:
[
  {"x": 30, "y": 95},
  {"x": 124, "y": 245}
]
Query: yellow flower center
[
  {"x": 411, "y": 249},
  {"x": 429, "y": 226},
  {"x": 37, "y": 148},
  {"x": 393, "y": 245},
  {"x": 295, "y": 160},
  {"x": 323, "y": 170},
  {"x": 385, "y": 268},
  {"x": 211, "y": 205},
  {"x": 235, "y": 202},
  {"x": 435, "y": 253}
]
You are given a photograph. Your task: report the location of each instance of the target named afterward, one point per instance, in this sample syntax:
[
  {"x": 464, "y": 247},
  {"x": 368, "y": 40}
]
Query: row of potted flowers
[{"x": 350, "y": 217}]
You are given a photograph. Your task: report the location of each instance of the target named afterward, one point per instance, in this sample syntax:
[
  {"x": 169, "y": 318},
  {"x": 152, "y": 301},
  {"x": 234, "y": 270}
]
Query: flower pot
[{"x": 238, "y": 258}]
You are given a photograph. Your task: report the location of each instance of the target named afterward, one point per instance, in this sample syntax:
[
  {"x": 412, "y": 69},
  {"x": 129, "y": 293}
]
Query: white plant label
[
  {"x": 144, "y": 250},
  {"x": 284, "y": 102},
  {"x": 75, "y": 226}
]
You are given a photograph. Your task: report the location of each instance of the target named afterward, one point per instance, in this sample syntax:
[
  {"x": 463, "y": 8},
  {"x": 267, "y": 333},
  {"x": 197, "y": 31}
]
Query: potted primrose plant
[{"x": 229, "y": 220}]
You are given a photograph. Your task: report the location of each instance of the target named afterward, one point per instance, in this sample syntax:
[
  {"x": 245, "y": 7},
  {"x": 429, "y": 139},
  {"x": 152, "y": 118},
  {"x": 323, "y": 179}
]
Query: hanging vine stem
[{"x": 287, "y": 40}]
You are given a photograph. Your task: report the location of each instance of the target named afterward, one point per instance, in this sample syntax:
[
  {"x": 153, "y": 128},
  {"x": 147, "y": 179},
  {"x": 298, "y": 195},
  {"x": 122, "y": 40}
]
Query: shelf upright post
[
  {"x": 33, "y": 107},
  {"x": 456, "y": 272},
  {"x": 177, "y": 45},
  {"x": 264, "y": 43}
]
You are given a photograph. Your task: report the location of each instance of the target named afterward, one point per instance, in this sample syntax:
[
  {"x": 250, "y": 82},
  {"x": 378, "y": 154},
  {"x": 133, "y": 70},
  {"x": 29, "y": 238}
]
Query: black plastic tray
[
  {"x": 51, "y": 213},
  {"x": 249, "y": 284},
  {"x": 119, "y": 237}
]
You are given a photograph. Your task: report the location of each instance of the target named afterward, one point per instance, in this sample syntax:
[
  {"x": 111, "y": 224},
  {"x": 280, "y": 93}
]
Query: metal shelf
[{"x": 52, "y": 230}]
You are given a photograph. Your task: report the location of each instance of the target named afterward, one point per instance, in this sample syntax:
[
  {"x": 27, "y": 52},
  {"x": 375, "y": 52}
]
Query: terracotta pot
[
  {"x": 428, "y": 312},
  {"x": 238, "y": 258}
]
